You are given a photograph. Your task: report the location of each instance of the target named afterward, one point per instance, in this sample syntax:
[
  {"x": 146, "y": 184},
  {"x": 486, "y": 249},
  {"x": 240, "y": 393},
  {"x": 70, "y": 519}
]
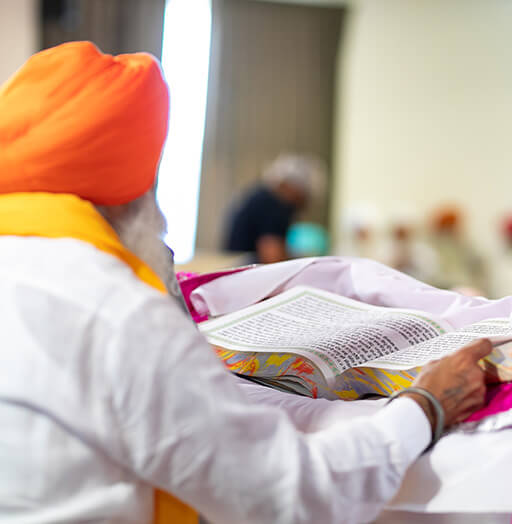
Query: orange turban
[{"x": 75, "y": 120}]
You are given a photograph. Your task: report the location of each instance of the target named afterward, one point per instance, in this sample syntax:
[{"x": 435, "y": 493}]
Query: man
[
  {"x": 259, "y": 222},
  {"x": 107, "y": 390}
]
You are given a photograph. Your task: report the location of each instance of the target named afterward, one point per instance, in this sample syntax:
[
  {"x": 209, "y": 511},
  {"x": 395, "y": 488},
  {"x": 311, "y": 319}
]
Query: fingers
[
  {"x": 475, "y": 375},
  {"x": 477, "y": 349},
  {"x": 490, "y": 378},
  {"x": 465, "y": 408},
  {"x": 469, "y": 406},
  {"x": 463, "y": 416},
  {"x": 457, "y": 380}
]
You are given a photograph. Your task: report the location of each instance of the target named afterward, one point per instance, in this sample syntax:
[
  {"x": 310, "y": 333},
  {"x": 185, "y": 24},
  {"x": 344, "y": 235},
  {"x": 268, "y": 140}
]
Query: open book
[{"x": 320, "y": 344}]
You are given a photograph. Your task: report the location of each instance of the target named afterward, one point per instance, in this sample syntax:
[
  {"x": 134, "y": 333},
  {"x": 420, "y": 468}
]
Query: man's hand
[
  {"x": 456, "y": 381},
  {"x": 271, "y": 249}
]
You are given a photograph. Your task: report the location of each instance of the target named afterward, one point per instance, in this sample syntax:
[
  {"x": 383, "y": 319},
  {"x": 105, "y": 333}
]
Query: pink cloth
[
  {"x": 190, "y": 281},
  {"x": 499, "y": 398}
]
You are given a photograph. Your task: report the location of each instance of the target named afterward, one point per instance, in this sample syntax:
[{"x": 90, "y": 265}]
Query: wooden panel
[{"x": 115, "y": 26}]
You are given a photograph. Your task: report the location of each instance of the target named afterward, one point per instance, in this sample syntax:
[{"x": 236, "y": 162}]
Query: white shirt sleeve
[{"x": 183, "y": 425}]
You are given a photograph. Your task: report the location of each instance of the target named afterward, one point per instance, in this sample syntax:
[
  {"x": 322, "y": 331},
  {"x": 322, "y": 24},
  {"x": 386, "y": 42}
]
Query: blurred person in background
[
  {"x": 459, "y": 267},
  {"x": 501, "y": 275},
  {"x": 108, "y": 392},
  {"x": 306, "y": 239},
  {"x": 362, "y": 232},
  {"x": 407, "y": 252},
  {"x": 259, "y": 222}
]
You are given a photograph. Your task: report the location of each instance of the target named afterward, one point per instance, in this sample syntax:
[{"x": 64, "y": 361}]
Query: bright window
[{"x": 185, "y": 60}]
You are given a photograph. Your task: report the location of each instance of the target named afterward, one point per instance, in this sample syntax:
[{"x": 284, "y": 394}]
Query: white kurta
[{"x": 107, "y": 389}]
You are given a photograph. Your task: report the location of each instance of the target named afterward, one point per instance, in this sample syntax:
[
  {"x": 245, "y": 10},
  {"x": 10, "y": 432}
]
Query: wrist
[
  {"x": 426, "y": 406},
  {"x": 434, "y": 412}
]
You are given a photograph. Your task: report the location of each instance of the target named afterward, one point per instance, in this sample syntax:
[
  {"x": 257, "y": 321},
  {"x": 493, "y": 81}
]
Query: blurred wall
[
  {"x": 425, "y": 109},
  {"x": 19, "y": 36}
]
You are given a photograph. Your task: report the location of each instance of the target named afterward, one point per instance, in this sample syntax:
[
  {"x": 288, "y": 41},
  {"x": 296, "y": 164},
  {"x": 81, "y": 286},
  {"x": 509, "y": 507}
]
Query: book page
[
  {"x": 334, "y": 332},
  {"x": 497, "y": 329}
]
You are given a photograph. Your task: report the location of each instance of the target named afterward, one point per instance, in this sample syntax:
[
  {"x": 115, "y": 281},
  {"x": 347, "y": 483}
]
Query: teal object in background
[{"x": 305, "y": 239}]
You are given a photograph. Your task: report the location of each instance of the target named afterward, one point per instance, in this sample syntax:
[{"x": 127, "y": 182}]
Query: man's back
[
  {"x": 61, "y": 303},
  {"x": 260, "y": 213}
]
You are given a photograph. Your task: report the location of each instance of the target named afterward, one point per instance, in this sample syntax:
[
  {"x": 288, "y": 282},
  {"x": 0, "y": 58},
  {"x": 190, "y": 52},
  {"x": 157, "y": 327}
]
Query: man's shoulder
[
  {"x": 261, "y": 194},
  {"x": 261, "y": 200},
  {"x": 76, "y": 274}
]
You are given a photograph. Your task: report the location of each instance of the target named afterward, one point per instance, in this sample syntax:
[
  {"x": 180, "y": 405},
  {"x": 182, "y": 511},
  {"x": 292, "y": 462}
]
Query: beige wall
[
  {"x": 425, "y": 108},
  {"x": 18, "y": 34}
]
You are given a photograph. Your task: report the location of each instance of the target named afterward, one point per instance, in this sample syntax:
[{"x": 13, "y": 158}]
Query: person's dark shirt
[{"x": 260, "y": 213}]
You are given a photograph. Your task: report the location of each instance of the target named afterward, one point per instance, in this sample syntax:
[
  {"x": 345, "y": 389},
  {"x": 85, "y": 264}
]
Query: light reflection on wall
[{"x": 185, "y": 60}]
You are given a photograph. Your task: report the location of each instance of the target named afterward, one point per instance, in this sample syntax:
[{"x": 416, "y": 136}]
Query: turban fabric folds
[{"x": 75, "y": 120}]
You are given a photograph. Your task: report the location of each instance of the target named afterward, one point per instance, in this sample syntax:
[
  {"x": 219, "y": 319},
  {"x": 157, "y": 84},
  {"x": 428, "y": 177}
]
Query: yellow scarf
[{"x": 67, "y": 216}]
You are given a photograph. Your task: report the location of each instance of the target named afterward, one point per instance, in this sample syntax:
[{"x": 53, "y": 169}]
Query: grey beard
[{"x": 141, "y": 226}]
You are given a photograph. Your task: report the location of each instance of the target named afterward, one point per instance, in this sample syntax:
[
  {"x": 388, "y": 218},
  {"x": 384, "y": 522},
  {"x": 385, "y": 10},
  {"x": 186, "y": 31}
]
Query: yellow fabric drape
[{"x": 53, "y": 215}]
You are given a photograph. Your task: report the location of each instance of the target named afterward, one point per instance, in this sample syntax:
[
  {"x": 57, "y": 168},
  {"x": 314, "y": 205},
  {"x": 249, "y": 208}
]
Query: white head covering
[{"x": 305, "y": 172}]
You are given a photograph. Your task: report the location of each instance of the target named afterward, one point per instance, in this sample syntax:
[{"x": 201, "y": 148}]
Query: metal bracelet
[{"x": 439, "y": 411}]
